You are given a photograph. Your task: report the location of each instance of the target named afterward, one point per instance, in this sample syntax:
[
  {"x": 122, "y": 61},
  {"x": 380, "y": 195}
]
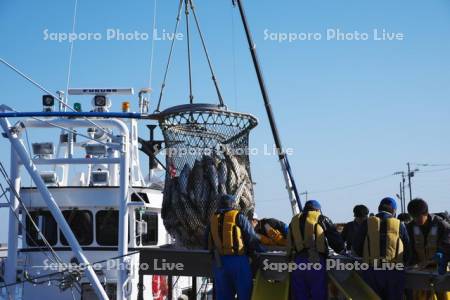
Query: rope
[
  {"x": 11, "y": 186},
  {"x": 65, "y": 129},
  {"x": 32, "y": 280},
  {"x": 233, "y": 53},
  {"x": 188, "y": 39},
  {"x": 39, "y": 86},
  {"x": 190, "y": 5},
  {"x": 213, "y": 76},
  {"x": 71, "y": 48},
  {"x": 153, "y": 45},
  {"x": 169, "y": 59},
  {"x": 23, "y": 226}
]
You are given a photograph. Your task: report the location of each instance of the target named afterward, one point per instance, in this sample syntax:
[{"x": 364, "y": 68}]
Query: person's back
[
  {"x": 360, "y": 213},
  {"x": 383, "y": 243},
  {"x": 231, "y": 237},
  {"x": 310, "y": 234}
]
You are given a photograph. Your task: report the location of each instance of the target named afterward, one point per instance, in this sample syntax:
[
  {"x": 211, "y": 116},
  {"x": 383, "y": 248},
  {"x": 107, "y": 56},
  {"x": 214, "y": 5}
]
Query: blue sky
[{"x": 351, "y": 110}]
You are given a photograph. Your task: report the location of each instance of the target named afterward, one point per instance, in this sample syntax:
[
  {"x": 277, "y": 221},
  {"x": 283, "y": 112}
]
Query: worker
[
  {"x": 232, "y": 238},
  {"x": 383, "y": 242},
  {"x": 309, "y": 235},
  {"x": 430, "y": 240},
  {"x": 270, "y": 231},
  {"x": 360, "y": 213}
]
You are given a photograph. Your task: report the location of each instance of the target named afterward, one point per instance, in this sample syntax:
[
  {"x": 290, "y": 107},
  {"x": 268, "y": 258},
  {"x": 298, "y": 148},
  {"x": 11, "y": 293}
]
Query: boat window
[
  {"x": 139, "y": 197},
  {"x": 148, "y": 231},
  {"x": 80, "y": 221},
  {"x": 107, "y": 227},
  {"x": 46, "y": 224}
]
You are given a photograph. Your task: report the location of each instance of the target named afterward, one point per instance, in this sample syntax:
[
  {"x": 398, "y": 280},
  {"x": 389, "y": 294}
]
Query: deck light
[
  {"x": 43, "y": 149},
  {"x": 101, "y": 103},
  {"x": 100, "y": 100},
  {"x": 48, "y": 102},
  {"x": 95, "y": 149}
]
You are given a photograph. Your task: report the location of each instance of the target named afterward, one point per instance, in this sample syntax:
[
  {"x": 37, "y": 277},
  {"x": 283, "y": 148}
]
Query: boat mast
[{"x": 283, "y": 159}]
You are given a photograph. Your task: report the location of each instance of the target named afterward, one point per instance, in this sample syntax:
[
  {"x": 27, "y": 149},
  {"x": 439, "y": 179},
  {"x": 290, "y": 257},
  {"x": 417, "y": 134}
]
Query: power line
[
  {"x": 434, "y": 171},
  {"x": 431, "y": 164},
  {"x": 351, "y": 185},
  {"x": 339, "y": 187}
]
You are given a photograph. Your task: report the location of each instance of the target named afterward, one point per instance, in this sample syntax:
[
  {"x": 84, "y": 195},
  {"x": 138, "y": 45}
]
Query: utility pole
[
  {"x": 410, "y": 174},
  {"x": 403, "y": 189},
  {"x": 305, "y": 193},
  {"x": 402, "y": 195},
  {"x": 409, "y": 181}
]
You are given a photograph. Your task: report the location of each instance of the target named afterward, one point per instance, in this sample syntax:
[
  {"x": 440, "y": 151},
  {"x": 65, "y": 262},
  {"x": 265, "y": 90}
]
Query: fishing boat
[{"x": 89, "y": 220}]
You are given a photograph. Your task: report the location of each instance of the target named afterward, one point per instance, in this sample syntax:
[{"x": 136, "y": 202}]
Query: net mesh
[{"x": 206, "y": 157}]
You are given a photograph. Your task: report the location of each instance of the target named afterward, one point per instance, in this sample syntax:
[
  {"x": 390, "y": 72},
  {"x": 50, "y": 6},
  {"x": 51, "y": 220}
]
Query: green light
[{"x": 77, "y": 106}]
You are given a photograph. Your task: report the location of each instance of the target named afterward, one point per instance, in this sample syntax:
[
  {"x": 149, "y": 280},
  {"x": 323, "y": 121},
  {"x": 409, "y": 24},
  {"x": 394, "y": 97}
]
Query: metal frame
[{"x": 20, "y": 156}]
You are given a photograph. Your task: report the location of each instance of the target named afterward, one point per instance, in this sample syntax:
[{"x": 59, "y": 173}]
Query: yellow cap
[{"x": 126, "y": 106}]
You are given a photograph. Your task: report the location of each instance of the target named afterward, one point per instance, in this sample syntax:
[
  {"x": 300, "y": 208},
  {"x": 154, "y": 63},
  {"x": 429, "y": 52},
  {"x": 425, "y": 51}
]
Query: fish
[
  {"x": 222, "y": 173},
  {"x": 210, "y": 171},
  {"x": 232, "y": 180},
  {"x": 193, "y": 197},
  {"x": 184, "y": 179},
  {"x": 212, "y": 207},
  {"x": 232, "y": 162},
  {"x": 195, "y": 185},
  {"x": 206, "y": 191}
]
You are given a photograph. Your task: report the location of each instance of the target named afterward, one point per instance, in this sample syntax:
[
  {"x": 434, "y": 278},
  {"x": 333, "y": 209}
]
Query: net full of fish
[{"x": 192, "y": 197}]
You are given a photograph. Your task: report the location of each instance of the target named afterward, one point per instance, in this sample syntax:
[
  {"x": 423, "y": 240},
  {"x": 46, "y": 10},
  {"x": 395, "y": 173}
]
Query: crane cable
[
  {"x": 189, "y": 5},
  {"x": 150, "y": 79},
  {"x": 69, "y": 69},
  {"x": 211, "y": 69},
  {"x": 188, "y": 41},
  {"x": 169, "y": 59}
]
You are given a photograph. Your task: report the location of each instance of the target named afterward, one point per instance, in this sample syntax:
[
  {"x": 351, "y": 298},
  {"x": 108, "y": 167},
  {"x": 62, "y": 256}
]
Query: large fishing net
[{"x": 206, "y": 157}]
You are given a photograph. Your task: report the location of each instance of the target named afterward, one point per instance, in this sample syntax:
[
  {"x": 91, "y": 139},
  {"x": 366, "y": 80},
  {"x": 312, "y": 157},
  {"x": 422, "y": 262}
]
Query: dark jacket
[
  {"x": 274, "y": 223},
  {"x": 360, "y": 237},
  {"x": 348, "y": 233},
  {"x": 251, "y": 242},
  {"x": 443, "y": 234}
]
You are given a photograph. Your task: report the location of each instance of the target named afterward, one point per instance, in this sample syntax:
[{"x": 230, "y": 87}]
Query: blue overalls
[{"x": 234, "y": 276}]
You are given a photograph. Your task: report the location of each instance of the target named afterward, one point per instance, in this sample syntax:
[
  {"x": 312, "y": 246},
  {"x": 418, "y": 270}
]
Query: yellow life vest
[
  {"x": 425, "y": 248},
  {"x": 312, "y": 237},
  {"x": 394, "y": 245},
  {"x": 226, "y": 235}
]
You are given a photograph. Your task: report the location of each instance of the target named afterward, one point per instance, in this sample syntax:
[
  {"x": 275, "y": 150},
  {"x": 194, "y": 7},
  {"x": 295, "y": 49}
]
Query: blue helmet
[
  {"x": 388, "y": 201},
  {"x": 312, "y": 205}
]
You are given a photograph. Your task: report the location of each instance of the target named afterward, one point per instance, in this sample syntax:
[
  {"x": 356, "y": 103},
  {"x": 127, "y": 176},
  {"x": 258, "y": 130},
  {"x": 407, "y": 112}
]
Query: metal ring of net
[{"x": 206, "y": 157}]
